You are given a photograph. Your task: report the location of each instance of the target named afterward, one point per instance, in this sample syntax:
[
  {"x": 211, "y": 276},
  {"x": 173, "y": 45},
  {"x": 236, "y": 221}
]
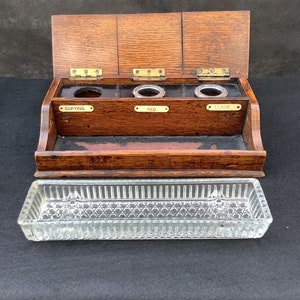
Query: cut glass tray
[{"x": 145, "y": 209}]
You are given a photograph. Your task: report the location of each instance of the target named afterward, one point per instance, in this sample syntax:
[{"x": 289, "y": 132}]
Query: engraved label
[
  {"x": 76, "y": 108},
  {"x": 151, "y": 109},
  {"x": 223, "y": 107}
]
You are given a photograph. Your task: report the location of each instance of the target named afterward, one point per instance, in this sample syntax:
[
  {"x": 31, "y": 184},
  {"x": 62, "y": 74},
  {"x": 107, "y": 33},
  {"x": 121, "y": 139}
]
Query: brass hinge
[
  {"x": 156, "y": 74},
  {"x": 212, "y": 73},
  {"x": 85, "y": 73}
]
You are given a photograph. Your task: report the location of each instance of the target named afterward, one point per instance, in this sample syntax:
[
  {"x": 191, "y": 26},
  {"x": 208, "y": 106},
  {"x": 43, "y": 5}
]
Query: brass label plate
[
  {"x": 76, "y": 108},
  {"x": 223, "y": 107},
  {"x": 212, "y": 73},
  {"x": 151, "y": 108},
  {"x": 86, "y": 73},
  {"x": 156, "y": 74}
]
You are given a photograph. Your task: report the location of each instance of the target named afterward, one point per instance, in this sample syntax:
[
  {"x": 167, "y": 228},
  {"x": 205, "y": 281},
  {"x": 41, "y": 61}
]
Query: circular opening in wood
[
  {"x": 88, "y": 92},
  {"x": 210, "y": 91},
  {"x": 148, "y": 91}
]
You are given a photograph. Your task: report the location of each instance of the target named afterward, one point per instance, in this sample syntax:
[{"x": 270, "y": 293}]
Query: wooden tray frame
[{"x": 148, "y": 163}]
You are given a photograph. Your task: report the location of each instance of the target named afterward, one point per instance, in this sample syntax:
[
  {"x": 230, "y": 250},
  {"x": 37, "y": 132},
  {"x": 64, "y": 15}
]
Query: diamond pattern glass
[{"x": 145, "y": 209}]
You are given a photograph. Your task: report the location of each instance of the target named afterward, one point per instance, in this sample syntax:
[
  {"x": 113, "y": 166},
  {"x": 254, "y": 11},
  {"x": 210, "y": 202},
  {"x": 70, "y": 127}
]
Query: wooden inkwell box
[{"x": 150, "y": 95}]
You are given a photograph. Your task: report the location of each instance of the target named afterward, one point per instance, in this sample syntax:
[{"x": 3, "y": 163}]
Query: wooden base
[{"x": 148, "y": 173}]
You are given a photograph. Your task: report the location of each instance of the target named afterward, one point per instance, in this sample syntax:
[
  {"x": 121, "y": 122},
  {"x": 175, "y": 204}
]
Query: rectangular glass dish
[{"x": 218, "y": 208}]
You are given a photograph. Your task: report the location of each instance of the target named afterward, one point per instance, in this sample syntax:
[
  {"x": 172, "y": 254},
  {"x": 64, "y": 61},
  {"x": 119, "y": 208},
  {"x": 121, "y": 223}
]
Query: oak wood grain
[
  {"x": 150, "y": 41},
  {"x": 150, "y": 159},
  {"x": 48, "y": 130},
  {"x": 178, "y": 42},
  {"x": 216, "y": 39},
  {"x": 84, "y": 41},
  {"x": 187, "y": 116},
  {"x": 251, "y": 132}
]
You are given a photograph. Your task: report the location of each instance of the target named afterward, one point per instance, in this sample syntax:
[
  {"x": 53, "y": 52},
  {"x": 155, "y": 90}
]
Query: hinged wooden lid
[
  {"x": 84, "y": 41},
  {"x": 150, "y": 41},
  {"x": 216, "y": 39},
  {"x": 178, "y": 43}
]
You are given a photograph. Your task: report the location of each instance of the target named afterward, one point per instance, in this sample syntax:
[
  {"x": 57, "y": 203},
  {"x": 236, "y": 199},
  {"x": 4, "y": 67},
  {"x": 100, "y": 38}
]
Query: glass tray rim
[{"x": 22, "y": 219}]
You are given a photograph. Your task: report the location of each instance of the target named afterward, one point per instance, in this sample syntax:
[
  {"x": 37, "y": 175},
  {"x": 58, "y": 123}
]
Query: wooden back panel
[
  {"x": 216, "y": 39},
  {"x": 178, "y": 42}
]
